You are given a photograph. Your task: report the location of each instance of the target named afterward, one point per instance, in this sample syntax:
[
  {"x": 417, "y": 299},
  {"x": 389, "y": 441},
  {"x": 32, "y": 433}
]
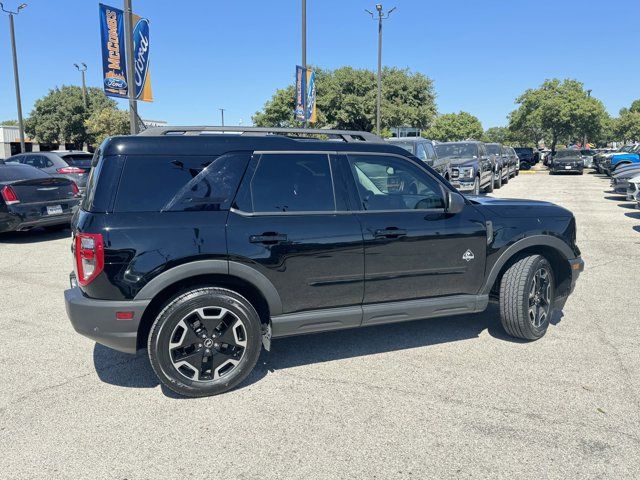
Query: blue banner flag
[
  {"x": 301, "y": 92},
  {"x": 114, "y": 64}
]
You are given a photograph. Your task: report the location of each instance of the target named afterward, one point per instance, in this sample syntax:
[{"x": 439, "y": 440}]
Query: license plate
[
  {"x": 54, "y": 210},
  {"x": 567, "y": 167}
]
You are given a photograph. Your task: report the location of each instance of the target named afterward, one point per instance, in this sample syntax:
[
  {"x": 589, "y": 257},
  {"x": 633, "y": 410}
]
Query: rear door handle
[
  {"x": 390, "y": 232},
  {"x": 268, "y": 238}
]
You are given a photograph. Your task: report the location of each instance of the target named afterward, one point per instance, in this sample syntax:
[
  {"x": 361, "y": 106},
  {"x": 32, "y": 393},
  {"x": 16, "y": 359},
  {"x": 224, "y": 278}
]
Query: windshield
[
  {"x": 493, "y": 148},
  {"x": 524, "y": 150},
  {"x": 456, "y": 150},
  {"x": 587, "y": 152},
  {"x": 13, "y": 172},
  {"x": 567, "y": 153}
]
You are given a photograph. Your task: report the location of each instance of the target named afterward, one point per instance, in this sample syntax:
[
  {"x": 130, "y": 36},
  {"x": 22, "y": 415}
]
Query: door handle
[
  {"x": 268, "y": 238},
  {"x": 390, "y": 232}
]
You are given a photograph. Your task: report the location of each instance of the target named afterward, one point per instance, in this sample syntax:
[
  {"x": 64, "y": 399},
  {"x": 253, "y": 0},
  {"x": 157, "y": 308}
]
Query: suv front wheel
[
  {"x": 526, "y": 297},
  {"x": 205, "y": 342}
]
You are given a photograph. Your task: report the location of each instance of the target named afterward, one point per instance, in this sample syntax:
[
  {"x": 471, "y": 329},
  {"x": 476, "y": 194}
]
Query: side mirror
[{"x": 455, "y": 202}]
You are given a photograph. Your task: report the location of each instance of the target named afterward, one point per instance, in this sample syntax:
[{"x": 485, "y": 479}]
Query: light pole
[
  {"x": 131, "y": 86},
  {"x": 222, "y": 114},
  {"x": 584, "y": 142},
  {"x": 381, "y": 16},
  {"x": 84, "y": 85},
  {"x": 304, "y": 48},
  {"x": 16, "y": 77}
]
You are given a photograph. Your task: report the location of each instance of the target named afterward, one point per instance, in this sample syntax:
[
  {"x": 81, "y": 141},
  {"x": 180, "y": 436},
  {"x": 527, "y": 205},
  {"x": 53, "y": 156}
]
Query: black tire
[
  {"x": 476, "y": 187},
  {"x": 183, "y": 309},
  {"x": 489, "y": 187},
  {"x": 516, "y": 297},
  {"x": 497, "y": 184}
]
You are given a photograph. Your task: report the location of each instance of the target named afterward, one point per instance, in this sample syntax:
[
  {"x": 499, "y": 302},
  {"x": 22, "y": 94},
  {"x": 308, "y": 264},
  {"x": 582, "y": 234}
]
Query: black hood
[
  {"x": 514, "y": 208},
  {"x": 463, "y": 162}
]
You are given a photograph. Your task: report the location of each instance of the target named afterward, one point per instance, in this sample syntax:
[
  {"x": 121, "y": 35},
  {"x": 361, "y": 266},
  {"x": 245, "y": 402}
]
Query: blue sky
[{"x": 208, "y": 54}]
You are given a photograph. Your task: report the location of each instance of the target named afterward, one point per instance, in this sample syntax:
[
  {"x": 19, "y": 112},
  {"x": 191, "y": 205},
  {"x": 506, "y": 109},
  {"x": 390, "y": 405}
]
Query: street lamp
[
  {"x": 15, "y": 69},
  {"x": 584, "y": 142},
  {"x": 381, "y": 16},
  {"x": 222, "y": 114},
  {"x": 84, "y": 85}
]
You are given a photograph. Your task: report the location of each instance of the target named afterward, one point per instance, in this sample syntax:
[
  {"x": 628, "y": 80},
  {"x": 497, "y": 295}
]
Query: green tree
[
  {"x": 627, "y": 126},
  {"x": 455, "y": 126},
  {"x": 635, "y": 106},
  {"x": 59, "y": 117},
  {"x": 497, "y": 135},
  {"x": 560, "y": 111},
  {"x": 9, "y": 123},
  {"x": 346, "y": 99},
  {"x": 106, "y": 123}
]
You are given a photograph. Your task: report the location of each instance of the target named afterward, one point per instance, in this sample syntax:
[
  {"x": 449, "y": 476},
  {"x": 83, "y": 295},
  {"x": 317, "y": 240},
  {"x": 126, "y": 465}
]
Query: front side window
[
  {"x": 421, "y": 153},
  {"x": 431, "y": 153},
  {"x": 295, "y": 182},
  {"x": 389, "y": 183}
]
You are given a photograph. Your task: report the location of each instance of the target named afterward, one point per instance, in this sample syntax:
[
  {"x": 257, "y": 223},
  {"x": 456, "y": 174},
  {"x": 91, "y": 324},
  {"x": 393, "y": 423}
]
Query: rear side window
[
  {"x": 193, "y": 183},
  {"x": 295, "y": 182},
  {"x": 12, "y": 173}
]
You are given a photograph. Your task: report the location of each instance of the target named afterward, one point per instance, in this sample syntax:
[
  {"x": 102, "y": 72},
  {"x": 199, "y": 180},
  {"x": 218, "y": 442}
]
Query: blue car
[{"x": 625, "y": 157}]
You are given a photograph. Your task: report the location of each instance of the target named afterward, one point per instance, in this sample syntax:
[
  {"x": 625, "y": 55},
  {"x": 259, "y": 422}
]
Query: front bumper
[
  {"x": 564, "y": 169},
  {"x": 463, "y": 185},
  {"x": 96, "y": 319}
]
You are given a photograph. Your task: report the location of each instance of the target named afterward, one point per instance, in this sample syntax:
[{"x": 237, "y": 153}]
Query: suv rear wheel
[
  {"x": 526, "y": 297},
  {"x": 205, "y": 342}
]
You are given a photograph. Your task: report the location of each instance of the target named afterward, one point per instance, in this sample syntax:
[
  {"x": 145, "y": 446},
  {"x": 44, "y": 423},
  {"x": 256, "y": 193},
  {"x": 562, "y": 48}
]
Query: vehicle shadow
[
  {"x": 616, "y": 197},
  {"x": 631, "y": 206},
  {"x": 35, "y": 235},
  {"x": 135, "y": 371},
  {"x": 635, "y": 215}
]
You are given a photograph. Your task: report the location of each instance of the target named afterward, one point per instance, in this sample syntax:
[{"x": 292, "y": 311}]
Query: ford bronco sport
[{"x": 202, "y": 245}]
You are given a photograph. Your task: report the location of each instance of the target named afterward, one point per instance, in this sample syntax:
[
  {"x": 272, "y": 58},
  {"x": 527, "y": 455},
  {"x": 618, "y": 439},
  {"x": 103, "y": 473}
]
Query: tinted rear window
[
  {"x": 81, "y": 161},
  {"x": 168, "y": 183},
  {"x": 12, "y": 173}
]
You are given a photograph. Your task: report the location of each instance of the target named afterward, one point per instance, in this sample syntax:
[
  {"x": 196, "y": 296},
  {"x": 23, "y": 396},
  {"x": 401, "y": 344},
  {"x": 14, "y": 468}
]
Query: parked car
[
  {"x": 72, "y": 164},
  {"x": 31, "y": 198},
  {"x": 566, "y": 161},
  {"x": 502, "y": 169},
  {"x": 425, "y": 150},
  {"x": 627, "y": 155},
  {"x": 239, "y": 239},
  {"x": 512, "y": 159},
  {"x": 633, "y": 187},
  {"x": 471, "y": 167},
  {"x": 587, "y": 157},
  {"x": 526, "y": 156},
  {"x": 621, "y": 176}
]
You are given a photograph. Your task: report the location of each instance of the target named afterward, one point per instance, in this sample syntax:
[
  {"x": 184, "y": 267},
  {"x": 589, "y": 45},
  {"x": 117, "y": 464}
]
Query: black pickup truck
[{"x": 203, "y": 246}]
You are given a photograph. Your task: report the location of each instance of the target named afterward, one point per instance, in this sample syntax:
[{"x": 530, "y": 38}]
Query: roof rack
[{"x": 344, "y": 135}]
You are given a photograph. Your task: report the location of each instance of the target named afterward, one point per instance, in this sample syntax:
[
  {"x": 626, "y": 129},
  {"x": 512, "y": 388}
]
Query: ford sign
[
  {"x": 141, "y": 50},
  {"x": 115, "y": 83}
]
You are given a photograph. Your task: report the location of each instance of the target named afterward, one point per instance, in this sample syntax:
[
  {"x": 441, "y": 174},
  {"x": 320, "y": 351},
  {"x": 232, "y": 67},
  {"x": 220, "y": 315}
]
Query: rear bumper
[
  {"x": 96, "y": 319},
  {"x": 30, "y": 215}
]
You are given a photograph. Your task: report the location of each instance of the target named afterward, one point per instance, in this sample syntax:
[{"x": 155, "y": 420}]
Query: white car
[{"x": 633, "y": 188}]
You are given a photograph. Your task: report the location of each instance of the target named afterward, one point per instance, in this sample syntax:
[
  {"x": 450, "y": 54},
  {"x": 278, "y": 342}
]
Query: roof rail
[{"x": 344, "y": 135}]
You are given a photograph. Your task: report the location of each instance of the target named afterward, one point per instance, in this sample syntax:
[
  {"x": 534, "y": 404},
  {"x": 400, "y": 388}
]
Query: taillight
[
  {"x": 74, "y": 187},
  {"x": 89, "y": 253},
  {"x": 68, "y": 170},
  {"x": 9, "y": 195}
]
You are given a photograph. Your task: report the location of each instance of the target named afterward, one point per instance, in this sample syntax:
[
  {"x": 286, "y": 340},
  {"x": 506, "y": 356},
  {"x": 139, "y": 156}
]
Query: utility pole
[
  {"x": 128, "y": 34},
  {"x": 222, "y": 114},
  {"x": 16, "y": 77},
  {"x": 304, "y": 49},
  {"x": 84, "y": 84},
  {"x": 584, "y": 143},
  {"x": 381, "y": 16}
]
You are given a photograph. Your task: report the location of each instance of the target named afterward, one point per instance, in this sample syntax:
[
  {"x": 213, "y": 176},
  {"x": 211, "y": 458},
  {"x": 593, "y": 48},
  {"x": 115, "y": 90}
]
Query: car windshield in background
[
  {"x": 493, "y": 149},
  {"x": 80, "y": 161},
  {"x": 524, "y": 151},
  {"x": 408, "y": 146},
  {"x": 567, "y": 154},
  {"x": 13, "y": 173},
  {"x": 456, "y": 150},
  {"x": 587, "y": 152}
]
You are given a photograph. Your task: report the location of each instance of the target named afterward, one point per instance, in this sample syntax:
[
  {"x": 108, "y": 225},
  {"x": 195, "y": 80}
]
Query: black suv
[
  {"x": 425, "y": 150},
  {"x": 203, "y": 246},
  {"x": 472, "y": 168}
]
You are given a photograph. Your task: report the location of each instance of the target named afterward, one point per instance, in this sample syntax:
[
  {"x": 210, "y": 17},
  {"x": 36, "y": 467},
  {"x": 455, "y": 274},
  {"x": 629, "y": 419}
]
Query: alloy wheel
[
  {"x": 207, "y": 343},
  {"x": 540, "y": 297}
]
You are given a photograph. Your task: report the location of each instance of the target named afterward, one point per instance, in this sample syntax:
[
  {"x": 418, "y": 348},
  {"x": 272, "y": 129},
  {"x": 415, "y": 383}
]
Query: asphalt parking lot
[{"x": 442, "y": 398}]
